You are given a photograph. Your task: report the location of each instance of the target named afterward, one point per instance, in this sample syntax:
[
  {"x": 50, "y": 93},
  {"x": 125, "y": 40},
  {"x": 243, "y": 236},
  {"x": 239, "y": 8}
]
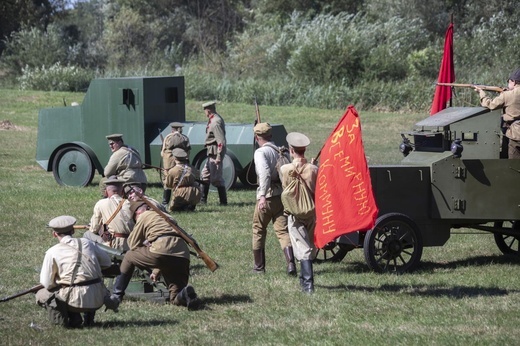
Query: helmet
[{"x": 515, "y": 76}]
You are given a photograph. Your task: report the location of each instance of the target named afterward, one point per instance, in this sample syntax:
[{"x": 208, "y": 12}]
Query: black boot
[
  {"x": 307, "y": 276},
  {"x": 188, "y": 298},
  {"x": 222, "y": 195},
  {"x": 259, "y": 257},
  {"x": 112, "y": 302},
  {"x": 167, "y": 194},
  {"x": 88, "y": 318},
  {"x": 205, "y": 191},
  {"x": 289, "y": 257}
]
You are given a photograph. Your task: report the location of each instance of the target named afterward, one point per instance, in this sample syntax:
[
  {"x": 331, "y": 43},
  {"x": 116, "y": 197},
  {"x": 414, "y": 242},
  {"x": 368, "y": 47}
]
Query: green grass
[{"x": 464, "y": 293}]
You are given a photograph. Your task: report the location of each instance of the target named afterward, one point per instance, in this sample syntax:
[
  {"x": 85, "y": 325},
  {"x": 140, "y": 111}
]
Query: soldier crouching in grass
[
  {"x": 154, "y": 245},
  {"x": 71, "y": 277}
]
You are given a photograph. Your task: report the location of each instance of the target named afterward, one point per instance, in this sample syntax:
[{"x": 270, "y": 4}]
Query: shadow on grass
[
  {"x": 134, "y": 323},
  {"x": 457, "y": 292},
  {"x": 424, "y": 267}
]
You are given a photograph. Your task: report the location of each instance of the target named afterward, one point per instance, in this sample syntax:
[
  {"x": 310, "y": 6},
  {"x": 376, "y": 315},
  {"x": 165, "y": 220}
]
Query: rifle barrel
[{"x": 22, "y": 293}]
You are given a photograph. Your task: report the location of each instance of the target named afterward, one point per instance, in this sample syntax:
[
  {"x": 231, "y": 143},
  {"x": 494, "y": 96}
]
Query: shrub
[{"x": 55, "y": 78}]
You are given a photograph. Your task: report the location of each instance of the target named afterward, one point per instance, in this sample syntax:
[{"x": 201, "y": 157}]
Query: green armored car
[
  {"x": 452, "y": 177},
  {"x": 71, "y": 140}
]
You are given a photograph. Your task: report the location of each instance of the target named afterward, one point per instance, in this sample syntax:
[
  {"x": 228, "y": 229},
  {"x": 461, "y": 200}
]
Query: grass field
[{"x": 464, "y": 293}]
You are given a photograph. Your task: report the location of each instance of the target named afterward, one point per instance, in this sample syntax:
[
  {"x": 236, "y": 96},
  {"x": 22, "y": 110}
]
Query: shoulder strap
[{"x": 75, "y": 270}]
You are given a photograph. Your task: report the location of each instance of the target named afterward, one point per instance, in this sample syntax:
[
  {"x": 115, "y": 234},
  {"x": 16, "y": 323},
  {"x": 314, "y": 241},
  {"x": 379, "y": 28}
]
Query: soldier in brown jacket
[
  {"x": 182, "y": 181},
  {"x": 174, "y": 139},
  {"x": 509, "y": 101}
]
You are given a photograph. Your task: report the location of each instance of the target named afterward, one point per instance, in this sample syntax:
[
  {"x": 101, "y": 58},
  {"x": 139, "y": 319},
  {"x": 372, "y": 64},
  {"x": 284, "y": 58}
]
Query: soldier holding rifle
[
  {"x": 509, "y": 101},
  {"x": 156, "y": 246},
  {"x": 71, "y": 277}
]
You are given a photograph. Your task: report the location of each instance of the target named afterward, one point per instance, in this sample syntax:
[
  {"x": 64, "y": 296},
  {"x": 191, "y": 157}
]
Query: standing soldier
[
  {"x": 301, "y": 231},
  {"x": 111, "y": 218},
  {"x": 173, "y": 140},
  {"x": 71, "y": 277},
  {"x": 125, "y": 162},
  {"x": 154, "y": 245},
  {"x": 182, "y": 180},
  {"x": 216, "y": 150},
  {"x": 269, "y": 206}
]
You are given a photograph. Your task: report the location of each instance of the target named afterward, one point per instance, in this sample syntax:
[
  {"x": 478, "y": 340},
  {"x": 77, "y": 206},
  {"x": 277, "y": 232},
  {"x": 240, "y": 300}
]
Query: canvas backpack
[
  {"x": 297, "y": 198},
  {"x": 283, "y": 157}
]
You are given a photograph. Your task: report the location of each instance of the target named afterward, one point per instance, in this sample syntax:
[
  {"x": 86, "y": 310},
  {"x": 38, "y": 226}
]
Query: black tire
[
  {"x": 508, "y": 244},
  {"x": 393, "y": 245},
  {"x": 229, "y": 172},
  {"x": 72, "y": 166},
  {"x": 333, "y": 252}
]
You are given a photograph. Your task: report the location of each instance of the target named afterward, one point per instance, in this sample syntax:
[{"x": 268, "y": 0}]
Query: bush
[{"x": 55, "y": 78}]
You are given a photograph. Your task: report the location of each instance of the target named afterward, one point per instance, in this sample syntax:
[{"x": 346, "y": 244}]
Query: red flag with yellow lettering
[{"x": 344, "y": 199}]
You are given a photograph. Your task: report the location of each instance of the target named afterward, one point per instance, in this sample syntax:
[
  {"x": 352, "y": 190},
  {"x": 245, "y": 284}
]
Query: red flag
[
  {"x": 446, "y": 74},
  {"x": 344, "y": 199}
]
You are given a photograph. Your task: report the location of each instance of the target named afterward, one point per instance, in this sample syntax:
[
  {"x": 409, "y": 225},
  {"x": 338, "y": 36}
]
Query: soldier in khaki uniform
[
  {"x": 125, "y": 162},
  {"x": 71, "y": 277},
  {"x": 216, "y": 149},
  {"x": 173, "y": 140},
  {"x": 269, "y": 206},
  {"x": 111, "y": 220},
  {"x": 509, "y": 100},
  {"x": 181, "y": 179},
  {"x": 154, "y": 245},
  {"x": 301, "y": 231}
]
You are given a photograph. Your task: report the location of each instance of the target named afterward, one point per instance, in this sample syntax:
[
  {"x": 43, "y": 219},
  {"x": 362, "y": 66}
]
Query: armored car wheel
[
  {"x": 393, "y": 245},
  {"x": 332, "y": 252},
  {"x": 72, "y": 166},
  {"x": 228, "y": 169},
  {"x": 508, "y": 244}
]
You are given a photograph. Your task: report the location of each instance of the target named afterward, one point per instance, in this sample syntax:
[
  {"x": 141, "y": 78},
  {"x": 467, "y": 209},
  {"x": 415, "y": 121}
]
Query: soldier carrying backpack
[{"x": 299, "y": 182}]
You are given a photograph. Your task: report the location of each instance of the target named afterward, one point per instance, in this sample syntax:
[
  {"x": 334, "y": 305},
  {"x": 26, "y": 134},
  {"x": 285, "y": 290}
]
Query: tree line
[{"x": 376, "y": 54}]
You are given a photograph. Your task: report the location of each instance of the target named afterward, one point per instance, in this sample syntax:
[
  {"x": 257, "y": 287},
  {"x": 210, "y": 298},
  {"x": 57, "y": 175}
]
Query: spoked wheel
[
  {"x": 394, "y": 245},
  {"x": 72, "y": 166},
  {"x": 333, "y": 252},
  {"x": 508, "y": 244}
]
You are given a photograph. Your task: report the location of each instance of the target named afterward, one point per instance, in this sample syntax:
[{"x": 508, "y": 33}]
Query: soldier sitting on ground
[
  {"x": 182, "y": 180},
  {"x": 111, "y": 222},
  {"x": 71, "y": 277}
]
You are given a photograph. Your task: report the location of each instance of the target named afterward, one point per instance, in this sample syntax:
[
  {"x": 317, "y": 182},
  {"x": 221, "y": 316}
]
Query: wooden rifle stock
[
  {"x": 33, "y": 289},
  {"x": 81, "y": 226},
  {"x": 483, "y": 87},
  {"x": 211, "y": 264}
]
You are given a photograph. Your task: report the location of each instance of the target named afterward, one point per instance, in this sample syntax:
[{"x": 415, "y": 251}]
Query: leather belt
[
  {"x": 84, "y": 283},
  {"x": 121, "y": 235}
]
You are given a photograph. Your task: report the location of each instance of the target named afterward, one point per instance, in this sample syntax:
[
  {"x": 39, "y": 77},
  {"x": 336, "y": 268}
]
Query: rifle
[
  {"x": 483, "y": 87},
  {"x": 22, "y": 293},
  {"x": 156, "y": 167},
  {"x": 81, "y": 226},
  {"x": 257, "y": 112},
  {"x": 211, "y": 264}
]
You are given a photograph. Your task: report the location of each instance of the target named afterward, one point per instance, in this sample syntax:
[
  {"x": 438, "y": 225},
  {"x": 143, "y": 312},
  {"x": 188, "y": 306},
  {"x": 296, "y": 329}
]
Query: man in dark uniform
[{"x": 216, "y": 150}]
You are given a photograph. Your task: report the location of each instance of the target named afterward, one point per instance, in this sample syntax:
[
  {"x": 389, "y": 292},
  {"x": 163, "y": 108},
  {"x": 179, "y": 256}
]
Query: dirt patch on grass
[{"x": 8, "y": 125}]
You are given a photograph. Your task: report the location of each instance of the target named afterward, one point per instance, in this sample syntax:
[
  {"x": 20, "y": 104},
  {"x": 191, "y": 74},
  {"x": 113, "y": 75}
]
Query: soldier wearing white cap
[
  {"x": 71, "y": 277},
  {"x": 125, "y": 162},
  {"x": 301, "y": 231},
  {"x": 111, "y": 220},
  {"x": 182, "y": 180},
  {"x": 215, "y": 144},
  {"x": 269, "y": 206},
  {"x": 174, "y": 139}
]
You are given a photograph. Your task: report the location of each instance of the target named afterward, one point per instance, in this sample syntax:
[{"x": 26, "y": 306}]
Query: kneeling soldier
[
  {"x": 154, "y": 245},
  {"x": 71, "y": 277}
]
